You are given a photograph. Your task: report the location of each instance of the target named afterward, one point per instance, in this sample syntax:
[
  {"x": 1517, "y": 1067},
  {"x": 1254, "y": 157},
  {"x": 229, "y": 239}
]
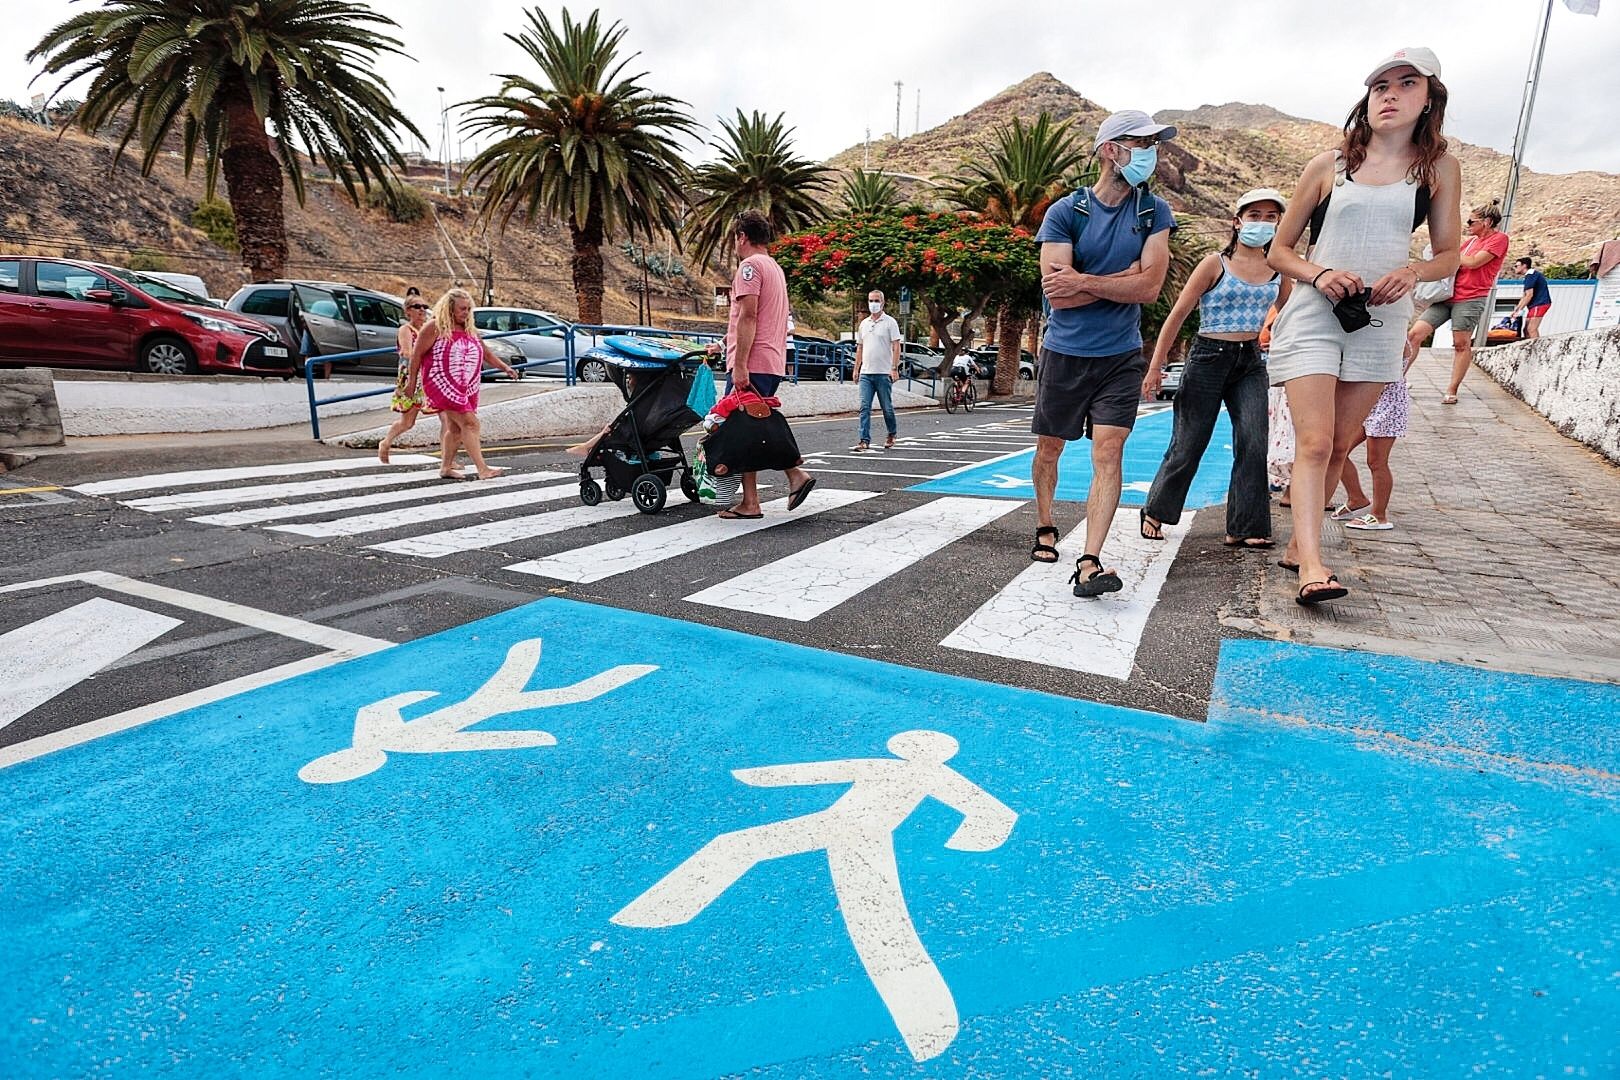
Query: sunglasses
[{"x": 424, "y": 307}]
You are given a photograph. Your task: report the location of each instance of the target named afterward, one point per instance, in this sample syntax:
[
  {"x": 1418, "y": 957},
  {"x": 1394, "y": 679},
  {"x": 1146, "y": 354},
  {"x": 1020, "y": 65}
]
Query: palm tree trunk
[
  {"x": 1009, "y": 332},
  {"x": 253, "y": 184},
  {"x": 587, "y": 268}
]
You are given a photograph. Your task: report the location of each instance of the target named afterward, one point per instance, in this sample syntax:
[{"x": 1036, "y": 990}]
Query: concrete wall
[
  {"x": 1573, "y": 380},
  {"x": 118, "y": 406},
  {"x": 28, "y": 411}
]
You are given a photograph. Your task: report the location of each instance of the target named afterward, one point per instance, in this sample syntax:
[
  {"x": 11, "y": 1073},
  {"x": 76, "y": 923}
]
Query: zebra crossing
[{"x": 833, "y": 561}]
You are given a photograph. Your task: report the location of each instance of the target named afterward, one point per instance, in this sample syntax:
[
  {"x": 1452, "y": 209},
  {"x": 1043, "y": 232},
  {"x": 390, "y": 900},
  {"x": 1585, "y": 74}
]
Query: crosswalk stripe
[
  {"x": 1037, "y": 618},
  {"x": 247, "y": 472},
  {"x": 191, "y": 500},
  {"x": 623, "y": 554},
  {"x": 816, "y": 463},
  {"x": 818, "y": 579},
  {"x": 42, "y": 659},
  {"x": 1025, "y": 452},
  {"x": 417, "y": 515},
  {"x": 489, "y": 533},
  {"x": 450, "y": 489}
]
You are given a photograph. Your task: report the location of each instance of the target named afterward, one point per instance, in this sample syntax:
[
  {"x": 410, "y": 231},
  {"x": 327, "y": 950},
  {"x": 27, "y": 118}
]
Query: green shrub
[
  {"x": 142, "y": 261},
  {"x": 217, "y": 221},
  {"x": 399, "y": 200}
]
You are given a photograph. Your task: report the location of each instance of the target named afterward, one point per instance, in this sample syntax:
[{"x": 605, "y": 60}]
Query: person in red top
[
  {"x": 756, "y": 342},
  {"x": 1482, "y": 255}
]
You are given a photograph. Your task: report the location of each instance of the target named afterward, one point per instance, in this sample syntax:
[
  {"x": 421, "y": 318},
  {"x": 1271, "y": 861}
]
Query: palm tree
[
  {"x": 757, "y": 170},
  {"x": 582, "y": 144},
  {"x": 1025, "y": 170},
  {"x": 869, "y": 192},
  {"x": 219, "y": 72}
]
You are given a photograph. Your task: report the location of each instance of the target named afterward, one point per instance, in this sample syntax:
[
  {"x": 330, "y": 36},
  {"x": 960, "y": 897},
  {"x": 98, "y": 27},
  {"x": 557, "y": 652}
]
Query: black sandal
[
  {"x": 1103, "y": 581},
  {"x": 1040, "y": 551},
  {"x": 1330, "y": 590},
  {"x": 1142, "y": 519}
]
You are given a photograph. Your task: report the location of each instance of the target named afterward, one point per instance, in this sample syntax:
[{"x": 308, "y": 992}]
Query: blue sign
[
  {"x": 1009, "y": 476},
  {"x": 570, "y": 840}
]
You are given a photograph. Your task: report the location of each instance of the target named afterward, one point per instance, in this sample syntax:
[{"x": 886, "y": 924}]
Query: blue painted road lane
[
  {"x": 1097, "y": 891},
  {"x": 1009, "y": 477}
]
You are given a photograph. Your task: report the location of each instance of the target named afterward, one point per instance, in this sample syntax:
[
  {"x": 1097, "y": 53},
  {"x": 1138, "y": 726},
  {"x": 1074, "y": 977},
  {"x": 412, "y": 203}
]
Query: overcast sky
[{"x": 831, "y": 65}]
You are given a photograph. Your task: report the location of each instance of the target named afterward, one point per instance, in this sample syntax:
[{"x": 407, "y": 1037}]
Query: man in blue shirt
[
  {"x": 1537, "y": 297},
  {"x": 1104, "y": 253}
]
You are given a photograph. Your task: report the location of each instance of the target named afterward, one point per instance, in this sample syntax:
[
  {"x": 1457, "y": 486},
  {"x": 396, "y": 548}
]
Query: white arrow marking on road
[
  {"x": 857, "y": 833},
  {"x": 1141, "y": 486},
  {"x": 380, "y": 729},
  {"x": 44, "y": 658},
  {"x": 1005, "y": 482}
]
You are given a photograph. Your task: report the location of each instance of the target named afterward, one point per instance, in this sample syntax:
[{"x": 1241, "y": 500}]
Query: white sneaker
[
  {"x": 1368, "y": 523},
  {"x": 1344, "y": 511}
]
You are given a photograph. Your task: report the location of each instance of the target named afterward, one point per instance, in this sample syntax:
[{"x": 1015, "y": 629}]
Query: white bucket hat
[{"x": 1414, "y": 55}]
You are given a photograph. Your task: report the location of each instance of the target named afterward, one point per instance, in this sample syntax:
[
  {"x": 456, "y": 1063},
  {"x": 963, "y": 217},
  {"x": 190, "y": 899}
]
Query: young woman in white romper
[{"x": 1393, "y": 155}]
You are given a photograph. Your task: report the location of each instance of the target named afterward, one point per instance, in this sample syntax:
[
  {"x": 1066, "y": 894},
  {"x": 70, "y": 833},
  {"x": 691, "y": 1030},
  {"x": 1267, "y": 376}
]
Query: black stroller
[{"x": 640, "y": 452}]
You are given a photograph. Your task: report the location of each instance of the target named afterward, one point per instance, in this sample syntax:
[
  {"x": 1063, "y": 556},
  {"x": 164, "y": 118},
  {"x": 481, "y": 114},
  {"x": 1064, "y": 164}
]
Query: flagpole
[{"x": 1526, "y": 107}]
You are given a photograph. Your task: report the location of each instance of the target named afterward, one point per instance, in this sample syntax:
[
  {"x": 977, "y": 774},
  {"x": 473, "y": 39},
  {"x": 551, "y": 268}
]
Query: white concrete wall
[
  {"x": 1573, "y": 380},
  {"x": 118, "y": 407}
]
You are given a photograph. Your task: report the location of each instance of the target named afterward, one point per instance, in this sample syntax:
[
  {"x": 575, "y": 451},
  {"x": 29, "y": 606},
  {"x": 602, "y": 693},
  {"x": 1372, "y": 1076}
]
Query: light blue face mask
[
  {"x": 1143, "y": 161},
  {"x": 1256, "y": 233}
]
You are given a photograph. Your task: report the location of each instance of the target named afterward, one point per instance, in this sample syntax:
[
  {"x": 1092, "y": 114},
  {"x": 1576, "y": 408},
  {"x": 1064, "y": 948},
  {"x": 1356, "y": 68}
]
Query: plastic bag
[
  {"x": 713, "y": 490},
  {"x": 702, "y": 397}
]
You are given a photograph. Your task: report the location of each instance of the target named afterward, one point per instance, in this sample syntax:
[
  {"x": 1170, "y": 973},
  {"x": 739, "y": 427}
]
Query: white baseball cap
[
  {"x": 1261, "y": 194},
  {"x": 1414, "y": 55},
  {"x": 1131, "y": 123}
]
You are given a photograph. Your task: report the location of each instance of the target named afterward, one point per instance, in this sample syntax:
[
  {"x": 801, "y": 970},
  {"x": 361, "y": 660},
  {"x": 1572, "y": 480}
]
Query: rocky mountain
[
  {"x": 1223, "y": 150},
  {"x": 61, "y": 194}
]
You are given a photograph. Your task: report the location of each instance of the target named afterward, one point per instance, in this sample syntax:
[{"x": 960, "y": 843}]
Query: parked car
[
  {"x": 73, "y": 313},
  {"x": 919, "y": 361},
  {"x": 547, "y": 345},
  {"x": 191, "y": 283},
  {"x": 1172, "y": 382},
  {"x": 340, "y": 318},
  {"x": 588, "y": 365},
  {"x": 987, "y": 355},
  {"x": 820, "y": 358}
]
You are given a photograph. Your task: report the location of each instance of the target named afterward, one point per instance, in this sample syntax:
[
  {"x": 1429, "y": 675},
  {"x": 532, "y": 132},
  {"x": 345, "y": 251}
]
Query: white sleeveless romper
[{"x": 1367, "y": 229}]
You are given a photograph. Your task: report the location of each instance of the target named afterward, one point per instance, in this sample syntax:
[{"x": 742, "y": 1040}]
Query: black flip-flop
[
  {"x": 1141, "y": 517},
  {"x": 1253, "y": 543},
  {"x": 1103, "y": 581},
  {"x": 1037, "y": 553},
  {"x": 795, "y": 498},
  {"x": 1331, "y": 590},
  {"x": 732, "y": 515}
]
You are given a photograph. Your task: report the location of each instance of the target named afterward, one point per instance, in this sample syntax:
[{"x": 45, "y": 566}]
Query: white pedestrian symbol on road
[
  {"x": 857, "y": 833},
  {"x": 380, "y": 729},
  {"x": 1005, "y": 482}
]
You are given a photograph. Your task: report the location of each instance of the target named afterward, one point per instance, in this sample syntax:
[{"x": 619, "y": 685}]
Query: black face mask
[{"x": 1352, "y": 312}]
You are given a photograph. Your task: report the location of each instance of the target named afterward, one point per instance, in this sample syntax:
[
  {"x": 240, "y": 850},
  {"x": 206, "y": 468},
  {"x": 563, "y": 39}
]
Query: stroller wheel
[
  {"x": 614, "y": 491},
  {"x": 648, "y": 493},
  {"x": 590, "y": 492},
  {"x": 689, "y": 486}
]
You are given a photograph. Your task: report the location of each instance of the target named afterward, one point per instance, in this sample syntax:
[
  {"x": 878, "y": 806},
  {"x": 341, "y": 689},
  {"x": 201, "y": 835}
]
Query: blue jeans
[
  {"x": 1216, "y": 372},
  {"x": 883, "y": 386}
]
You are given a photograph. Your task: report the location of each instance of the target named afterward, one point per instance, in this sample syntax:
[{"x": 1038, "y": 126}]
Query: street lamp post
[{"x": 444, "y": 139}]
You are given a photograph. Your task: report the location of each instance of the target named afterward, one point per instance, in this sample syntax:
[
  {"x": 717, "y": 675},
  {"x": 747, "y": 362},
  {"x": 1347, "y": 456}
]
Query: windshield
[{"x": 158, "y": 289}]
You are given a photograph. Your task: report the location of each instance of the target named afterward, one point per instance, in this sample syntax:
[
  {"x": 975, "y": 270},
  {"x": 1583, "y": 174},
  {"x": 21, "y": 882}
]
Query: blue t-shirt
[
  {"x": 1535, "y": 283},
  {"x": 1107, "y": 246}
]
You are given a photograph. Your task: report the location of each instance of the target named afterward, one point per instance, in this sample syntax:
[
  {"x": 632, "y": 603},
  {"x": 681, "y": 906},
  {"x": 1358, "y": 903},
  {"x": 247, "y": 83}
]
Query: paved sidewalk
[{"x": 1506, "y": 551}]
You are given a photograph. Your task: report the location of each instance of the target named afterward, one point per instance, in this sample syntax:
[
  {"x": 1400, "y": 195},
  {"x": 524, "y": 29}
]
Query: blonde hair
[{"x": 441, "y": 312}]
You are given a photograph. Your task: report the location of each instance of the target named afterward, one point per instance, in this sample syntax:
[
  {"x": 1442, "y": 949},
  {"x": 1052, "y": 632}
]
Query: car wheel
[
  {"x": 167, "y": 356},
  {"x": 592, "y": 371},
  {"x": 832, "y": 374},
  {"x": 1027, "y": 374}
]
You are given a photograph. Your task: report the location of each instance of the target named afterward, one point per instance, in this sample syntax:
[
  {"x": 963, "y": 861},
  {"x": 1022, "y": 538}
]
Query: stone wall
[
  {"x": 1572, "y": 379},
  {"x": 28, "y": 412}
]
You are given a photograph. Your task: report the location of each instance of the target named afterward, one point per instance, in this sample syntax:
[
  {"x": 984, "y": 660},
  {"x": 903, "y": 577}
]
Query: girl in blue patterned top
[{"x": 1232, "y": 290}]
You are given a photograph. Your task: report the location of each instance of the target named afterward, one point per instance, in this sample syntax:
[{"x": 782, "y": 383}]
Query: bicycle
[{"x": 961, "y": 391}]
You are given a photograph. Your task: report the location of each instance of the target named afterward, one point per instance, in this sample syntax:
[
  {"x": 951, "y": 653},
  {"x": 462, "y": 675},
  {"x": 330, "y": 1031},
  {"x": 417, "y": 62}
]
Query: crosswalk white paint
[
  {"x": 489, "y": 533},
  {"x": 818, "y": 579},
  {"x": 623, "y": 554},
  {"x": 1037, "y": 618},
  {"x": 235, "y": 496},
  {"x": 44, "y": 658},
  {"x": 450, "y": 489},
  {"x": 404, "y": 517},
  {"x": 246, "y": 472}
]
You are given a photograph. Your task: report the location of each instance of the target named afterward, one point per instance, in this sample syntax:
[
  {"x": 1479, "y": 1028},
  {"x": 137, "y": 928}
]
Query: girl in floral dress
[{"x": 409, "y": 406}]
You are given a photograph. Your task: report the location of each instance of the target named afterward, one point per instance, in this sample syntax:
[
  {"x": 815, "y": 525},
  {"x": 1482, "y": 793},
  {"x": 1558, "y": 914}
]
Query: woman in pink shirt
[
  {"x": 1482, "y": 255},
  {"x": 448, "y": 365}
]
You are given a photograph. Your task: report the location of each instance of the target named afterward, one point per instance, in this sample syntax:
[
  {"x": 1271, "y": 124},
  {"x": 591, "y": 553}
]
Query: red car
[{"x": 69, "y": 313}]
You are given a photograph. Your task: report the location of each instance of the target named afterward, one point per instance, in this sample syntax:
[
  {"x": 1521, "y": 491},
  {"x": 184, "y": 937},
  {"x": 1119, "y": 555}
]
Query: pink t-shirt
[
  {"x": 758, "y": 275},
  {"x": 1474, "y": 284}
]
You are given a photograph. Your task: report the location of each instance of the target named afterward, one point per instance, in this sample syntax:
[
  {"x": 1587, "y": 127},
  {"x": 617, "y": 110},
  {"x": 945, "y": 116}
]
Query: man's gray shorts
[
  {"x": 1073, "y": 394},
  {"x": 1464, "y": 314}
]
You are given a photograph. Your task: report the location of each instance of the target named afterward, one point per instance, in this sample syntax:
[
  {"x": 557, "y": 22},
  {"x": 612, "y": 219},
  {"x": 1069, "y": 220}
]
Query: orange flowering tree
[{"x": 954, "y": 262}]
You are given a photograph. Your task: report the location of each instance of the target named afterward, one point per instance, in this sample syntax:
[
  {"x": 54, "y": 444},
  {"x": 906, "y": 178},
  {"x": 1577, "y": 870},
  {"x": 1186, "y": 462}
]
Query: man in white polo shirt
[{"x": 877, "y": 364}]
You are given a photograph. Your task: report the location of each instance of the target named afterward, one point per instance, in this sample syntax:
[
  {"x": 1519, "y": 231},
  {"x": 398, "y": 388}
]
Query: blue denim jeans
[
  {"x": 1217, "y": 372},
  {"x": 883, "y": 387}
]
